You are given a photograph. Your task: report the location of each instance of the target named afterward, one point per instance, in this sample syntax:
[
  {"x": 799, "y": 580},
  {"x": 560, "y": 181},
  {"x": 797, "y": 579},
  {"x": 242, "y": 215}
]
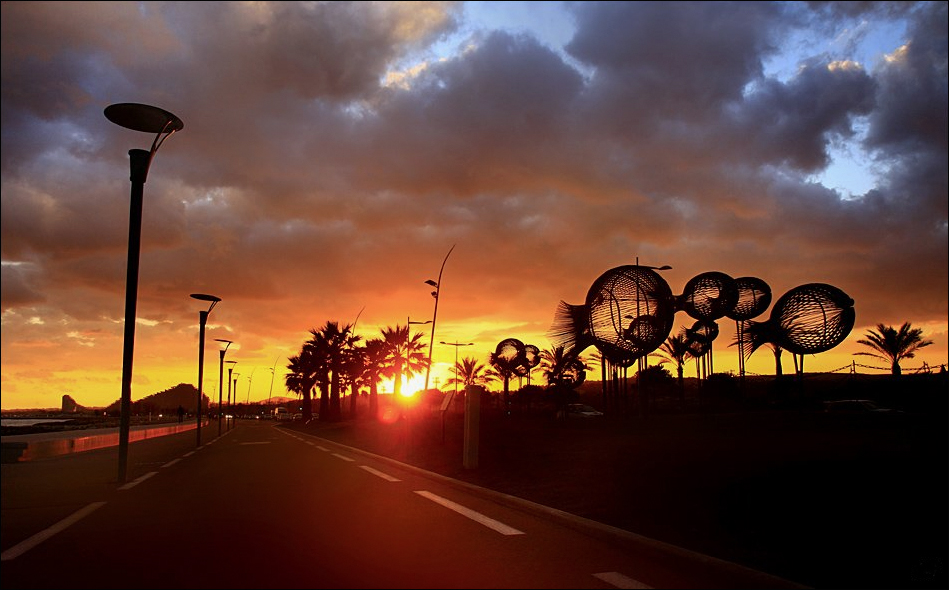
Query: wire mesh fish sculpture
[
  {"x": 520, "y": 358},
  {"x": 708, "y": 296},
  {"x": 754, "y": 297},
  {"x": 807, "y": 319},
  {"x": 628, "y": 313}
]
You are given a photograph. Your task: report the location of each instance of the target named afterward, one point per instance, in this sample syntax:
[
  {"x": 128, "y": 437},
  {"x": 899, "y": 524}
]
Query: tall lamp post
[
  {"x": 220, "y": 381},
  {"x": 431, "y": 341},
  {"x": 148, "y": 119},
  {"x": 454, "y": 398},
  {"x": 273, "y": 373},
  {"x": 457, "y": 345},
  {"x": 236, "y": 376},
  {"x": 408, "y": 336},
  {"x": 230, "y": 378},
  {"x": 203, "y": 320},
  {"x": 250, "y": 382}
]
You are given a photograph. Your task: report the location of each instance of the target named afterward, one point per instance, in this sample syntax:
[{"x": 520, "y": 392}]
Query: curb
[{"x": 19, "y": 451}]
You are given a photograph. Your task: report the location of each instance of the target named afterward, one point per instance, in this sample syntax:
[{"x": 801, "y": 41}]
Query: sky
[{"x": 336, "y": 155}]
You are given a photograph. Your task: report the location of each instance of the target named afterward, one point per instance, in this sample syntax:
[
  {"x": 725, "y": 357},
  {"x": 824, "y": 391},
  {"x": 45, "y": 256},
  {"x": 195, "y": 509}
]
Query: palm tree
[
  {"x": 893, "y": 345},
  {"x": 353, "y": 369},
  {"x": 301, "y": 380},
  {"x": 404, "y": 355},
  {"x": 504, "y": 368},
  {"x": 333, "y": 342},
  {"x": 374, "y": 359},
  {"x": 315, "y": 355},
  {"x": 553, "y": 361},
  {"x": 469, "y": 371},
  {"x": 677, "y": 349}
]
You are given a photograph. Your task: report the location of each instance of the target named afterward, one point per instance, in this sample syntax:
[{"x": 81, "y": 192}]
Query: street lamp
[
  {"x": 431, "y": 341},
  {"x": 203, "y": 320},
  {"x": 273, "y": 373},
  {"x": 408, "y": 337},
  {"x": 454, "y": 398},
  {"x": 236, "y": 375},
  {"x": 250, "y": 382},
  {"x": 456, "y": 344},
  {"x": 148, "y": 119},
  {"x": 220, "y": 381},
  {"x": 230, "y": 377}
]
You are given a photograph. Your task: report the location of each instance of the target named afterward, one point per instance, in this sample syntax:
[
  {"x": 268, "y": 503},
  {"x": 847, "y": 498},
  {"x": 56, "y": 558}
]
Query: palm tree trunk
[
  {"x": 324, "y": 402},
  {"x": 353, "y": 398},
  {"x": 680, "y": 372},
  {"x": 307, "y": 403},
  {"x": 335, "y": 409},
  {"x": 373, "y": 399}
]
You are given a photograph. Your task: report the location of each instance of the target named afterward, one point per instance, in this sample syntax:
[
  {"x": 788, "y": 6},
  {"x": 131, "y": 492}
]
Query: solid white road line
[
  {"x": 24, "y": 546},
  {"x": 475, "y": 516},
  {"x": 621, "y": 581}
]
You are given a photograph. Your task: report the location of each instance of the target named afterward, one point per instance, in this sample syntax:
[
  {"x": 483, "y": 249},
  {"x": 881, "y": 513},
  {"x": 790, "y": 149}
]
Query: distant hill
[
  {"x": 279, "y": 399},
  {"x": 71, "y": 407},
  {"x": 183, "y": 394}
]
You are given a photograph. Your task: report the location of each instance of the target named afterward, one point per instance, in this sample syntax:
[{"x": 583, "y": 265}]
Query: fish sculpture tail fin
[
  {"x": 571, "y": 328},
  {"x": 756, "y": 334}
]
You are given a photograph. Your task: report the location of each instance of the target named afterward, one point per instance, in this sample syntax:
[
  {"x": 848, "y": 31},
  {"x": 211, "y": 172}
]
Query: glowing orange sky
[{"x": 333, "y": 153}]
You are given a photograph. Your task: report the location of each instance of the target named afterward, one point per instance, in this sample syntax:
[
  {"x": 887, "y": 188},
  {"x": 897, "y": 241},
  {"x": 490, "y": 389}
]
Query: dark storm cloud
[
  {"x": 679, "y": 60},
  {"x": 330, "y": 158}
]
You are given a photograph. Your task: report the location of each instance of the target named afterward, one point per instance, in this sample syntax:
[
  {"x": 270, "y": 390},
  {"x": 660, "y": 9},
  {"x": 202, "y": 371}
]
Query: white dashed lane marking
[
  {"x": 21, "y": 548},
  {"x": 132, "y": 484},
  {"x": 475, "y": 516},
  {"x": 378, "y": 473}
]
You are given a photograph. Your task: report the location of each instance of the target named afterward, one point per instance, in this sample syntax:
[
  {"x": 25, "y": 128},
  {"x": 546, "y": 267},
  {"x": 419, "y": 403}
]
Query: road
[{"x": 264, "y": 507}]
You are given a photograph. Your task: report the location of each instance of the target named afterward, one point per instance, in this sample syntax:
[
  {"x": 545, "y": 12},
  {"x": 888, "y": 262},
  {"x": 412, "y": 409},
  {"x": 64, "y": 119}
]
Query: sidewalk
[{"x": 27, "y": 447}]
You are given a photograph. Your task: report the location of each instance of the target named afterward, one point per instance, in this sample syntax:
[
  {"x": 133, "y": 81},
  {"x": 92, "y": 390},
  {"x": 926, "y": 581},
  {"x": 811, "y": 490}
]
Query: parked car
[
  {"x": 581, "y": 411},
  {"x": 856, "y": 406}
]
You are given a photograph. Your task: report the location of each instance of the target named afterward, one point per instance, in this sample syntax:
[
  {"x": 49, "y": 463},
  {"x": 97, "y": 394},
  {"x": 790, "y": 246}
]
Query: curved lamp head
[
  {"x": 204, "y": 297},
  {"x": 145, "y": 118},
  {"x": 226, "y": 343},
  {"x": 142, "y": 117}
]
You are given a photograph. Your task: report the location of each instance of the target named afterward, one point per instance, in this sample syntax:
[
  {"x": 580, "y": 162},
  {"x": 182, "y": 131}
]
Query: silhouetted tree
[
  {"x": 553, "y": 362},
  {"x": 353, "y": 368},
  {"x": 504, "y": 368},
  {"x": 469, "y": 371},
  {"x": 300, "y": 380},
  {"x": 404, "y": 355},
  {"x": 677, "y": 349},
  {"x": 893, "y": 345},
  {"x": 374, "y": 361},
  {"x": 332, "y": 341}
]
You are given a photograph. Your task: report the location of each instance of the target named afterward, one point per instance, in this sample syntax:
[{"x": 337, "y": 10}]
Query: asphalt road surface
[{"x": 264, "y": 507}]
